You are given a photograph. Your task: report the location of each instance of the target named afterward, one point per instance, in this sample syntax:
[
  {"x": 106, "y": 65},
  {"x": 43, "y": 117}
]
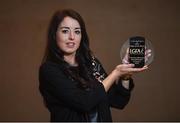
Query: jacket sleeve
[
  {"x": 54, "y": 82},
  {"x": 118, "y": 95}
]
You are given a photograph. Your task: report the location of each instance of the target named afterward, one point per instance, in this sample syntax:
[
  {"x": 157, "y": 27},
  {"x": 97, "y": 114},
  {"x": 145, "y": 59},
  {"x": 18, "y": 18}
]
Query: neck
[{"x": 70, "y": 58}]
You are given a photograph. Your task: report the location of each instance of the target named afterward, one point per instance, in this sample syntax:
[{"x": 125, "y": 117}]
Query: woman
[{"x": 73, "y": 83}]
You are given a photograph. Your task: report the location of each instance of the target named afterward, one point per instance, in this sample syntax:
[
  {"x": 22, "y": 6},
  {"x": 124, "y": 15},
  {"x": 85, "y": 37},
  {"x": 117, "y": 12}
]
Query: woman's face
[{"x": 68, "y": 36}]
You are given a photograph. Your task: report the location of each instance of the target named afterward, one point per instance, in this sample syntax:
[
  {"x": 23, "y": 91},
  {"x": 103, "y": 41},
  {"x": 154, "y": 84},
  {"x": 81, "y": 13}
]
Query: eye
[
  {"x": 78, "y": 32},
  {"x": 65, "y": 31}
]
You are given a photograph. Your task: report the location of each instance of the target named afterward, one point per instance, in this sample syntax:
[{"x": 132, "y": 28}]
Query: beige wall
[{"x": 23, "y": 25}]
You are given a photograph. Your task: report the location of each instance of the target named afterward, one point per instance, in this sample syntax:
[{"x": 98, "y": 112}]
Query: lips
[{"x": 70, "y": 44}]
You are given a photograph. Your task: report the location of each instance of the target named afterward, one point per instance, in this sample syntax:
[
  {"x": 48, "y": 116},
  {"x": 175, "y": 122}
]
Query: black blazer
[{"x": 67, "y": 102}]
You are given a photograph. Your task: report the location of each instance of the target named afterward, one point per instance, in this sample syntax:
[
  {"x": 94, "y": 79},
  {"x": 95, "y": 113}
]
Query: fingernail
[{"x": 132, "y": 65}]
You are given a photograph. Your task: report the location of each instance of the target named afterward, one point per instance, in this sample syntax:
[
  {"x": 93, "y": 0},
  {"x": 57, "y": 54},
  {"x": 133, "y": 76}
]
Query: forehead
[{"x": 69, "y": 22}]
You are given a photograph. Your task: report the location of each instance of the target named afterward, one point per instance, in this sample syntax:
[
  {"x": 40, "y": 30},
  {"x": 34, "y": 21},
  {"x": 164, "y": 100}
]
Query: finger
[
  {"x": 128, "y": 65},
  {"x": 146, "y": 66},
  {"x": 136, "y": 69},
  {"x": 124, "y": 67},
  {"x": 125, "y": 59},
  {"x": 147, "y": 56},
  {"x": 148, "y": 51}
]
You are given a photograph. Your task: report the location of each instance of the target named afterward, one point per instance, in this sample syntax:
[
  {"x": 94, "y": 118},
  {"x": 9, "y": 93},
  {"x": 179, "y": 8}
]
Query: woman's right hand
[
  {"x": 119, "y": 71},
  {"x": 127, "y": 69}
]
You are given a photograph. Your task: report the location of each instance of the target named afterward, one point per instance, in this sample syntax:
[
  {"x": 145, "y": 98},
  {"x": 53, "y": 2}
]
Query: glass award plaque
[{"x": 137, "y": 50}]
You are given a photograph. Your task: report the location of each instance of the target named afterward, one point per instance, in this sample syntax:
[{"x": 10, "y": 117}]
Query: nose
[{"x": 71, "y": 35}]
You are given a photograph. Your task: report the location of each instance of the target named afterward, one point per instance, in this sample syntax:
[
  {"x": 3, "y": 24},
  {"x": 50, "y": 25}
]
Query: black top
[{"x": 67, "y": 102}]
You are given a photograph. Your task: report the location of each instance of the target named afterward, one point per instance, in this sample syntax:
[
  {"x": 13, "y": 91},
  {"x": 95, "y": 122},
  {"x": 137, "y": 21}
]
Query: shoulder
[{"x": 50, "y": 67}]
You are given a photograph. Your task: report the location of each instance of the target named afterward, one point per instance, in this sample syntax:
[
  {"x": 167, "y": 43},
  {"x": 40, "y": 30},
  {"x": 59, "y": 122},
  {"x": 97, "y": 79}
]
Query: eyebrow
[{"x": 68, "y": 27}]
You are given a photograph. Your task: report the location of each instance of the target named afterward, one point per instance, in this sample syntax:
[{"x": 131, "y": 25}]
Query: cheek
[
  {"x": 60, "y": 39},
  {"x": 79, "y": 40}
]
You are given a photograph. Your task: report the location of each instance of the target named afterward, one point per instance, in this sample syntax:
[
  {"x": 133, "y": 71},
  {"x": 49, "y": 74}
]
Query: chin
[{"x": 70, "y": 52}]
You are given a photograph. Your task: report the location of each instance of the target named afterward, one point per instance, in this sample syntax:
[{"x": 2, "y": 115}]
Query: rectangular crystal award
[{"x": 137, "y": 51}]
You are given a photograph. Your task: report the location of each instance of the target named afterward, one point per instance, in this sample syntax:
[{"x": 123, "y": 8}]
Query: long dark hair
[{"x": 83, "y": 53}]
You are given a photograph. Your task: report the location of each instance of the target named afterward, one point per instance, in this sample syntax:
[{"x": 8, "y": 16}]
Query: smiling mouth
[{"x": 70, "y": 44}]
